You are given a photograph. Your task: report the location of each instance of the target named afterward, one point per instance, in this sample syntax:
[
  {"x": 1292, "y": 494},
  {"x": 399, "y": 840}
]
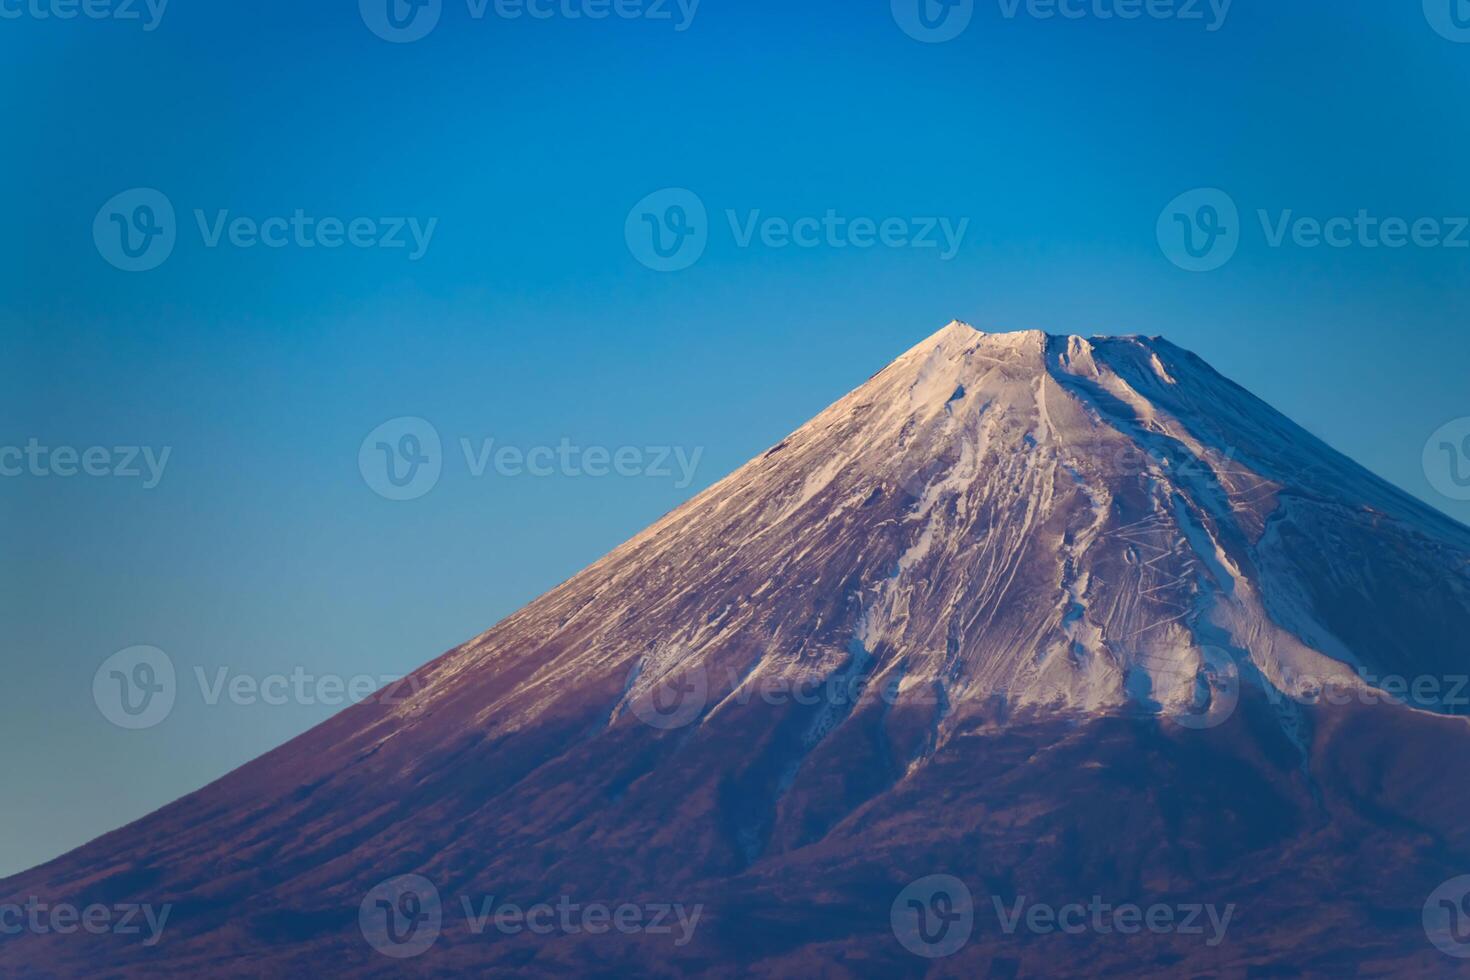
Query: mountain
[{"x": 1023, "y": 631}]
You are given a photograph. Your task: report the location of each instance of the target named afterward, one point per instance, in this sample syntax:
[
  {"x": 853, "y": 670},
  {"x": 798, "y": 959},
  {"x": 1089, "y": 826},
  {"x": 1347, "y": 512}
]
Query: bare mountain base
[{"x": 1324, "y": 864}]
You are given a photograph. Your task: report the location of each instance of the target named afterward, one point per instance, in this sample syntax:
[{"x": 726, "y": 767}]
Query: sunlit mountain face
[{"x": 1033, "y": 655}]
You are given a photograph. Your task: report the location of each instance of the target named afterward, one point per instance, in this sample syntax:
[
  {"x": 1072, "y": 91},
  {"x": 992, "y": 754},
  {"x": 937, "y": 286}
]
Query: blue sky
[{"x": 528, "y": 319}]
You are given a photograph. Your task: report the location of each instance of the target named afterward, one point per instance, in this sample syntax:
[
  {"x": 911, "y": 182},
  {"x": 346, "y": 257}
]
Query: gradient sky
[{"x": 529, "y": 320}]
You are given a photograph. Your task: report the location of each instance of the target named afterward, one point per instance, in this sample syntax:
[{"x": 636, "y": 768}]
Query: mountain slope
[{"x": 1043, "y": 613}]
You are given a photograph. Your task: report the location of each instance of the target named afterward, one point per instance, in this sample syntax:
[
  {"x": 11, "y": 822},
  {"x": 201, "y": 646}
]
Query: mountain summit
[{"x": 1056, "y": 617}]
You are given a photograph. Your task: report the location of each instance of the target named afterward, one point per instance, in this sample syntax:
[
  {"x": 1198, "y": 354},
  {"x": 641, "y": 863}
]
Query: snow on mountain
[
  {"x": 1053, "y": 612},
  {"x": 1052, "y": 520}
]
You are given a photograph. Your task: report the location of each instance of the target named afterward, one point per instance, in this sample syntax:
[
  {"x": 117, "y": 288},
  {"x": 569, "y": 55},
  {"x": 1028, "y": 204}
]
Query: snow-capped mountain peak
[{"x": 966, "y": 617}]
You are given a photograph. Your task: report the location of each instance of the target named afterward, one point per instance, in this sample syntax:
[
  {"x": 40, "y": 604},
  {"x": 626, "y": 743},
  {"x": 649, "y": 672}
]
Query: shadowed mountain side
[{"x": 1045, "y": 614}]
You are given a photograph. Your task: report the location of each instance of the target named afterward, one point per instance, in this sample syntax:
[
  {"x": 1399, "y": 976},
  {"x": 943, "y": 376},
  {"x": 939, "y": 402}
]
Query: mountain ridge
[{"x": 1009, "y": 556}]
